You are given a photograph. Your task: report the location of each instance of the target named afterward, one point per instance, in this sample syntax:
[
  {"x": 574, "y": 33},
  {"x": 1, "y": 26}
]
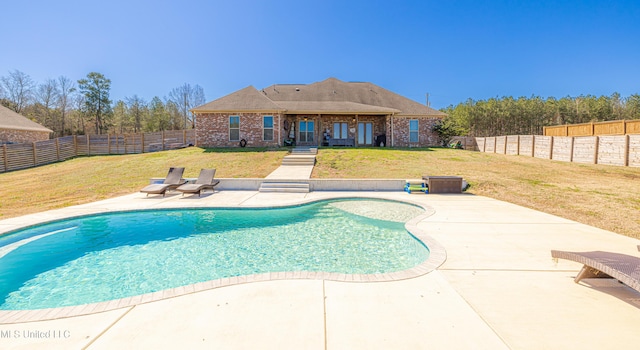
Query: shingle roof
[
  {"x": 247, "y": 99},
  {"x": 333, "y": 107},
  {"x": 333, "y": 89},
  {"x": 330, "y": 96},
  {"x": 14, "y": 121}
]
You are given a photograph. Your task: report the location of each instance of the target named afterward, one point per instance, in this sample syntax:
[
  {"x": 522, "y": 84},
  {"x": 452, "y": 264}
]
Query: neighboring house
[
  {"x": 14, "y": 128},
  {"x": 326, "y": 113}
]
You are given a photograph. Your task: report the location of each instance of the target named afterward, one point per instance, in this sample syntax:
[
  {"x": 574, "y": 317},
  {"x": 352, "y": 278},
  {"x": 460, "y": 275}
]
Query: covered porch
[
  {"x": 335, "y": 123},
  {"x": 328, "y": 130}
]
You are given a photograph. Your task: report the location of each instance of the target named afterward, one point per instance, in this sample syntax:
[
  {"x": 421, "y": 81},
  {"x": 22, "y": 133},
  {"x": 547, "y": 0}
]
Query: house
[
  {"x": 15, "y": 128},
  {"x": 326, "y": 113}
]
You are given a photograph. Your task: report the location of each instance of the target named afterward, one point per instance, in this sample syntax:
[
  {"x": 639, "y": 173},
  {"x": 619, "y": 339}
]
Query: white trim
[
  {"x": 417, "y": 130},
  {"x": 229, "y": 129},
  {"x": 272, "y": 128}
]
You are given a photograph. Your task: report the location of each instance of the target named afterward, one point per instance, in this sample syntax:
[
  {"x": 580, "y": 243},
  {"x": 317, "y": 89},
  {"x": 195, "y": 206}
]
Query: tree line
[
  {"x": 84, "y": 107},
  {"x": 528, "y": 115}
]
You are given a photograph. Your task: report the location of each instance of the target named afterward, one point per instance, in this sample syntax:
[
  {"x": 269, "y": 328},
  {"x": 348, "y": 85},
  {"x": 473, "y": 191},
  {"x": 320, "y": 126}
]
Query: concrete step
[
  {"x": 287, "y": 187},
  {"x": 299, "y": 160},
  {"x": 305, "y": 150}
]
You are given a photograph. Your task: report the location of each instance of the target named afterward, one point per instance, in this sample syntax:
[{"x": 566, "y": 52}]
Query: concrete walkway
[
  {"x": 291, "y": 172},
  {"x": 498, "y": 289},
  {"x": 296, "y": 166}
]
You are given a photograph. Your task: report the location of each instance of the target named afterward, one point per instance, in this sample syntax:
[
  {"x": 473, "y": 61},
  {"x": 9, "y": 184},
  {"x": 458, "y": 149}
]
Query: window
[
  {"x": 340, "y": 131},
  {"x": 413, "y": 130},
  {"x": 306, "y": 131},
  {"x": 267, "y": 128},
  {"x": 234, "y": 128}
]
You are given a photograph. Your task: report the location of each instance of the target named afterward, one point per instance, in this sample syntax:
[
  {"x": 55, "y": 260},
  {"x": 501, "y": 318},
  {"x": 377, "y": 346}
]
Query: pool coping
[{"x": 437, "y": 257}]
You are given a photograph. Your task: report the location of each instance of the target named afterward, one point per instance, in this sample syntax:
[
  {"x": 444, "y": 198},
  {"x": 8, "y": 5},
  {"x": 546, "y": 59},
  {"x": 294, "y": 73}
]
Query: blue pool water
[{"x": 110, "y": 256}]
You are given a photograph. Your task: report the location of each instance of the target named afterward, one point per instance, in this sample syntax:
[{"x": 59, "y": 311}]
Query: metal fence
[{"x": 28, "y": 155}]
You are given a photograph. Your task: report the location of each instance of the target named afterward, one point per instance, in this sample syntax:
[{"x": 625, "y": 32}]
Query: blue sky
[{"x": 453, "y": 50}]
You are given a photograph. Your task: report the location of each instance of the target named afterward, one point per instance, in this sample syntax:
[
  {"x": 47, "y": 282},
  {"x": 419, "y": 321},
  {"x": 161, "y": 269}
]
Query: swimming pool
[{"x": 117, "y": 255}]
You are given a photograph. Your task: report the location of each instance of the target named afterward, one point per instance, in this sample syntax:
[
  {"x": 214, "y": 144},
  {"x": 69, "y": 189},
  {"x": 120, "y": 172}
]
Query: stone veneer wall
[
  {"x": 426, "y": 137},
  {"x": 22, "y": 136},
  {"x": 212, "y": 130},
  {"x": 621, "y": 150}
]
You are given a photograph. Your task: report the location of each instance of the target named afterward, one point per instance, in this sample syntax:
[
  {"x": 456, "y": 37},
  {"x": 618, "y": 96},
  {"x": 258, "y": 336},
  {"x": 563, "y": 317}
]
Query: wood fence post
[
  {"x": 142, "y": 142},
  {"x": 495, "y": 144},
  {"x": 551, "y": 147},
  {"x": 35, "y": 154},
  {"x": 518, "y": 145},
  {"x": 627, "y": 141},
  {"x": 75, "y": 145},
  {"x": 57, "y": 149},
  {"x": 571, "y": 153},
  {"x": 6, "y": 161},
  {"x": 163, "y": 140},
  {"x": 184, "y": 136},
  {"x": 108, "y": 143},
  {"x": 596, "y": 150},
  {"x": 88, "y": 145},
  {"x": 125, "y": 143},
  {"x": 533, "y": 146}
]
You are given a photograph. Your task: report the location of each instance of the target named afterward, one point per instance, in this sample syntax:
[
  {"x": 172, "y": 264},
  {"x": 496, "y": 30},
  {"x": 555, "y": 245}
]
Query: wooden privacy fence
[
  {"x": 615, "y": 127},
  {"x": 621, "y": 150},
  {"x": 27, "y": 155}
]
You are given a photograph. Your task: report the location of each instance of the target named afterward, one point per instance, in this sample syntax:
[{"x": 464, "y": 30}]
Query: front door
[
  {"x": 306, "y": 132},
  {"x": 365, "y": 134}
]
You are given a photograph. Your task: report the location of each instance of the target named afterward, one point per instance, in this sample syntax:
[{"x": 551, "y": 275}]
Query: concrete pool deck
[{"x": 499, "y": 288}]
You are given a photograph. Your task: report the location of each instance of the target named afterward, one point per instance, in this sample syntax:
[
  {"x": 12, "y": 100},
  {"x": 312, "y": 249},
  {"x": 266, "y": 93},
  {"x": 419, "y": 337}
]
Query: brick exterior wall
[
  {"x": 212, "y": 130},
  {"x": 22, "y": 136},
  {"x": 377, "y": 123},
  {"x": 426, "y": 137}
]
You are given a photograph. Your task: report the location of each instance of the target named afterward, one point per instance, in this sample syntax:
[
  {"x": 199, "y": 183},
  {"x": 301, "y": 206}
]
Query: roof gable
[
  {"x": 329, "y": 95},
  {"x": 14, "y": 121}
]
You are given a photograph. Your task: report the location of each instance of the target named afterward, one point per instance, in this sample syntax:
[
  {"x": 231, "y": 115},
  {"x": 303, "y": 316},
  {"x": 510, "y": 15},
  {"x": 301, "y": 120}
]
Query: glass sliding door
[
  {"x": 365, "y": 134},
  {"x": 305, "y": 131}
]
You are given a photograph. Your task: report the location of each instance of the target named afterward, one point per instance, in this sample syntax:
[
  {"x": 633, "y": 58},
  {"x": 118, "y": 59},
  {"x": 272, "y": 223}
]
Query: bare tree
[
  {"x": 65, "y": 99},
  {"x": 18, "y": 89},
  {"x": 47, "y": 96},
  {"x": 185, "y": 98}
]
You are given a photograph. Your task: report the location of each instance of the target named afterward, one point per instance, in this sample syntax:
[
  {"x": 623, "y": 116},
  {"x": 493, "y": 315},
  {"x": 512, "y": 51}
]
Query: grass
[
  {"x": 603, "y": 196},
  {"x": 87, "y": 179}
]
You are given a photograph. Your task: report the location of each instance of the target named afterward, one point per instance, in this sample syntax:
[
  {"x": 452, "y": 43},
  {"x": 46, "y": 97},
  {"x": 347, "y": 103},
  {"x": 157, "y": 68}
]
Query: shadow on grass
[
  {"x": 279, "y": 149},
  {"x": 244, "y": 150},
  {"x": 384, "y": 149}
]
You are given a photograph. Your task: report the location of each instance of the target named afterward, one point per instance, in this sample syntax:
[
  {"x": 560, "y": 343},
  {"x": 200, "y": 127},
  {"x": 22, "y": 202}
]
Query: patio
[{"x": 498, "y": 288}]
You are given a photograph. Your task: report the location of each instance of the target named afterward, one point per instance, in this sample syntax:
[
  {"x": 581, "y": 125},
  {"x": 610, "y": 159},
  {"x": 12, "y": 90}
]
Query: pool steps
[{"x": 288, "y": 187}]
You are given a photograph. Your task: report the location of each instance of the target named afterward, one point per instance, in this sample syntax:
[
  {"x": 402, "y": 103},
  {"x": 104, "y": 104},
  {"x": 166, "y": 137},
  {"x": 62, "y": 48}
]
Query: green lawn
[{"x": 602, "y": 196}]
